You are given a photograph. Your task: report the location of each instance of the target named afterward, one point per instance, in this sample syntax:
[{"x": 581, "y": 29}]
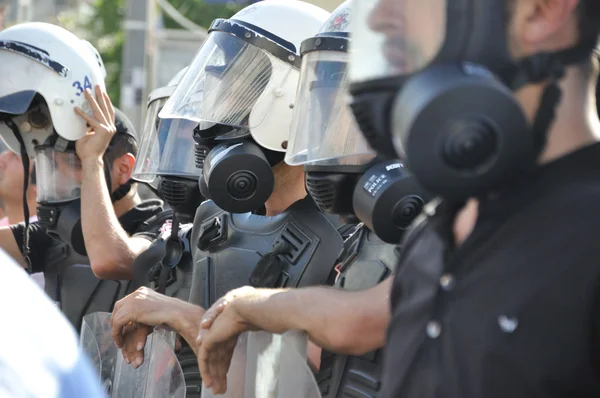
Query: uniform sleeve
[{"x": 39, "y": 242}]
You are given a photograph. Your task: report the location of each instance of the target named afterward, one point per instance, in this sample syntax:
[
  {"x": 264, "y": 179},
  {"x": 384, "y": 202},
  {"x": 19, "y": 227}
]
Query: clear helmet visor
[
  {"x": 229, "y": 82},
  {"x": 17, "y": 103},
  {"x": 323, "y": 130},
  {"x": 394, "y": 38},
  {"x": 167, "y": 147},
  {"x": 58, "y": 175}
]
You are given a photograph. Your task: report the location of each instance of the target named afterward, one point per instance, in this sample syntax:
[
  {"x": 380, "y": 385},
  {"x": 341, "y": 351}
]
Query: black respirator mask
[
  {"x": 177, "y": 172},
  {"x": 385, "y": 196},
  {"x": 237, "y": 174},
  {"x": 449, "y": 108},
  {"x": 58, "y": 175}
]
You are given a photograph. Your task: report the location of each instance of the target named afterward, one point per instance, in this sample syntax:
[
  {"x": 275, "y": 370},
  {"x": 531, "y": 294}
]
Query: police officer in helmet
[
  {"x": 78, "y": 174},
  {"x": 345, "y": 177},
  {"x": 240, "y": 91}
]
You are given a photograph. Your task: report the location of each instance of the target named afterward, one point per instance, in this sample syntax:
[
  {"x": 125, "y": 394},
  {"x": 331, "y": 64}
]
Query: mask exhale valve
[{"x": 387, "y": 199}]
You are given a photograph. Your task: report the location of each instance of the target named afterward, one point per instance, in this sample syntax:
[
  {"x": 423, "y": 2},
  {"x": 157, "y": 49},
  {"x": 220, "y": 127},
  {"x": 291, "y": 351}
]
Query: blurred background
[{"x": 143, "y": 43}]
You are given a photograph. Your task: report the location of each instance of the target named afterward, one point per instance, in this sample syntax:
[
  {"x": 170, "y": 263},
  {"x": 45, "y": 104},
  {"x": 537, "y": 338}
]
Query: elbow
[
  {"x": 110, "y": 268},
  {"x": 348, "y": 344},
  {"x": 353, "y": 338},
  {"x": 103, "y": 270}
]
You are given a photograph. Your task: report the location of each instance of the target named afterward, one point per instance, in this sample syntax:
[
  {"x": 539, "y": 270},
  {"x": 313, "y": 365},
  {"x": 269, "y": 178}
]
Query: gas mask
[
  {"x": 238, "y": 89},
  {"x": 381, "y": 194},
  {"x": 439, "y": 92},
  {"x": 342, "y": 173},
  {"x": 238, "y": 175},
  {"x": 167, "y": 155}
]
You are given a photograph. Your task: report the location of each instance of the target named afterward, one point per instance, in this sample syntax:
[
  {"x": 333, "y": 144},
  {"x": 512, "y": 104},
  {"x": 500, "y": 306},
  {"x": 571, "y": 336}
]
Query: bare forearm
[
  {"x": 105, "y": 240},
  {"x": 185, "y": 320},
  {"x": 337, "y": 320}
]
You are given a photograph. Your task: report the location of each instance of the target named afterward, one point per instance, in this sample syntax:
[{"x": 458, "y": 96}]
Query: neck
[
  {"x": 575, "y": 126},
  {"x": 13, "y": 210},
  {"x": 576, "y": 122},
  {"x": 289, "y": 188},
  {"x": 127, "y": 203}
]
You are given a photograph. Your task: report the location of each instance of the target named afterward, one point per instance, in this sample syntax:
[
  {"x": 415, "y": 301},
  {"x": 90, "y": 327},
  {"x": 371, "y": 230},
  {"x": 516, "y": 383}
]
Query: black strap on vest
[
  {"x": 269, "y": 268},
  {"x": 166, "y": 266}
]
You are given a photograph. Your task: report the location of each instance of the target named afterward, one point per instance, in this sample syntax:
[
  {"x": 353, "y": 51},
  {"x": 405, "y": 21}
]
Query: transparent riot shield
[
  {"x": 266, "y": 365},
  {"x": 159, "y": 376},
  {"x": 96, "y": 340}
]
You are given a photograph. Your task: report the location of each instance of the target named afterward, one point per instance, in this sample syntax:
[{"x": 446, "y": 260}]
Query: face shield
[
  {"x": 395, "y": 38},
  {"x": 233, "y": 80},
  {"x": 16, "y": 103},
  {"x": 167, "y": 147},
  {"x": 324, "y": 132},
  {"x": 58, "y": 175}
]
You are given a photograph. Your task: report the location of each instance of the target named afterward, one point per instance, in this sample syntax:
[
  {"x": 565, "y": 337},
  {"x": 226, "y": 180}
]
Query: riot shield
[
  {"x": 96, "y": 340},
  {"x": 266, "y": 365},
  {"x": 159, "y": 376}
]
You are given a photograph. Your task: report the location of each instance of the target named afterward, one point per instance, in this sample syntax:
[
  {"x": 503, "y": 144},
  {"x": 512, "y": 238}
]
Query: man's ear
[
  {"x": 124, "y": 166},
  {"x": 546, "y": 25}
]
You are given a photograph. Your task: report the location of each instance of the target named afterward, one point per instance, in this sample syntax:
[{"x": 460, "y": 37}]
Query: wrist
[
  {"x": 92, "y": 162},
  {"x": 185, "y": 320}
]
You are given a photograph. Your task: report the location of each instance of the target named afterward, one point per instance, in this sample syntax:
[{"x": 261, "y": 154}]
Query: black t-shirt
[
  {"x": 144, "y": 221},
  {"x": 512, "y": 312}
]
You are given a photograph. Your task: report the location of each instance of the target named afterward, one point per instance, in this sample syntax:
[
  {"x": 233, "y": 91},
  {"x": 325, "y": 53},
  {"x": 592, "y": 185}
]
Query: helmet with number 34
[{"x": 46, "y": 70}]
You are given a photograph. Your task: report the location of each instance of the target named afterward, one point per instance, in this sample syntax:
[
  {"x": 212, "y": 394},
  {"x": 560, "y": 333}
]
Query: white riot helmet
[
  {"x": 243, "y": 82},
  {"x": 246, "y": 72},
  {"x": 343, "y": 175},
  {"x": 46, "y": 69}
]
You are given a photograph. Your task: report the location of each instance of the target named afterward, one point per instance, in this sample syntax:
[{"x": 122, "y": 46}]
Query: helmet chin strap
[
  {"x": 25, "y": 160},
  {"x": 121, "y": 191}
]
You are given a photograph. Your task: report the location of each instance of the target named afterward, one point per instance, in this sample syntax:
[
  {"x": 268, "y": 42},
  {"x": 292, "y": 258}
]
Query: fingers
[
  {"x": 222, "y": 366},
  {"x": 219, "y": 363},
  {"x": 102, "y": 119},
  {"x": 96, "y": 110},
  {"x": 103, "y": 107},
  {"x": 111, "y": 108},
  {"x": 118, "y": 321},
  {"x": 127, "y": 329},
  {"x": 91, "y": 121},
  {"x": 213, "y": 312},
  {"x": 203, "y": 356},
  {"x": 214, "y": 360},
  {"x": 135, "y": 341}
]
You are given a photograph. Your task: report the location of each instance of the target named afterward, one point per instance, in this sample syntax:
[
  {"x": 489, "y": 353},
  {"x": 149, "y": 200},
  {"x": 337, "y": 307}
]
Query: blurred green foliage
[
  {"x": 200, "y": 12},
  {"x": 102, "y": 26}
]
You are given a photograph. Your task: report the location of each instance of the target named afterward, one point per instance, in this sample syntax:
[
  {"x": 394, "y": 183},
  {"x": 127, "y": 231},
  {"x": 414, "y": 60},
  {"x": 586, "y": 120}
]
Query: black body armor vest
[
  {"x": 366, "y": 262},
  {"x": 69, "y": 280},
  {"x": 298, "y": 247},
  {"x": 234, "y": 250}
]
